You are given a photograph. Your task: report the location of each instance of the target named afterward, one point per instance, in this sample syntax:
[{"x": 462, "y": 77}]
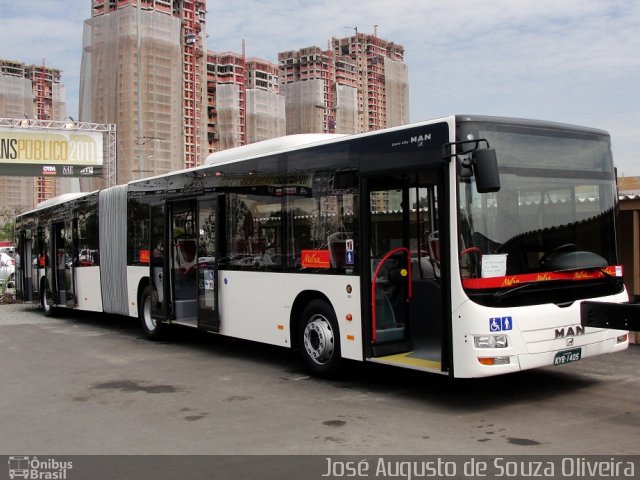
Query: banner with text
[{"x": 46, "y": 152}]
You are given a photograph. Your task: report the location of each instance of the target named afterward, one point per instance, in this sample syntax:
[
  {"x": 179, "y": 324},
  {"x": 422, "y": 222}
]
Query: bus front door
[{"x": 404, "y": 290}]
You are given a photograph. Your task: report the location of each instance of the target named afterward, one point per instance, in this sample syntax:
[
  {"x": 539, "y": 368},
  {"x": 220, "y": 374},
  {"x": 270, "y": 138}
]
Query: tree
[{"x": 7, "y": 225}]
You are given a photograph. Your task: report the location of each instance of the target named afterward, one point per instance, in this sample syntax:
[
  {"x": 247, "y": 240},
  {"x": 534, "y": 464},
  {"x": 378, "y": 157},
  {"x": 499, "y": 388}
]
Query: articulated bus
[{"x": 463, "y": 245}]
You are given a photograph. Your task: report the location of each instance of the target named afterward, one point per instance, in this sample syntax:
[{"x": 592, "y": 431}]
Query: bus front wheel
[
  {"x": 153, "y": 329},
  {"x": 319, "y": 338}
]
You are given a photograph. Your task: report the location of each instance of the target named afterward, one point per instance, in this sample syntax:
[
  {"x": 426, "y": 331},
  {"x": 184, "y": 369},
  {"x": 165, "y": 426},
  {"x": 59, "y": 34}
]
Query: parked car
[{"x": 7, "y": 271}]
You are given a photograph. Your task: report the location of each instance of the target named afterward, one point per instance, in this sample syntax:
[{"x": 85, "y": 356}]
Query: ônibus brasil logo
[{"x": 38, "y": 469}]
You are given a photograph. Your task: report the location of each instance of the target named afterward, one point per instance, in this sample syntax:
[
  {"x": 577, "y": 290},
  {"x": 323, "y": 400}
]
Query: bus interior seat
[
  {"x": 387, "y": 329},
  {"x": 433, "y": 241},
  {"x": 422, "y": 268},
  {"x": 426, "y": 310}
]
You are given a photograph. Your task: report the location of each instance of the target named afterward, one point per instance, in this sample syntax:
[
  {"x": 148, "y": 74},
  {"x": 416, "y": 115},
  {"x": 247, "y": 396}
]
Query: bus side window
[{"x": 255, "y": 225}]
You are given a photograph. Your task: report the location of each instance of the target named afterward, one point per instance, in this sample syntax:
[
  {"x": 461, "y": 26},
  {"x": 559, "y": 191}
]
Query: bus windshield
[{"x": 548, "y": 235}]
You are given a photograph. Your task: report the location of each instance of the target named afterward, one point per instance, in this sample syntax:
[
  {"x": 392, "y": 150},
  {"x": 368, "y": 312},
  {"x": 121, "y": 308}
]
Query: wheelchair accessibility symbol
[{"x": 500, "y": 324}]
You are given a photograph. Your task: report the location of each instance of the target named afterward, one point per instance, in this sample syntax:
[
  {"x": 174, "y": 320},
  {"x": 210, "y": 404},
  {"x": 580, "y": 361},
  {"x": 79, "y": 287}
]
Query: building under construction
[
  {"x": 243, "y": 104},
  {"x": 359, "y": 84},
  {"x": 30, "y": 91},
  {"x": 161, "y": 115}
]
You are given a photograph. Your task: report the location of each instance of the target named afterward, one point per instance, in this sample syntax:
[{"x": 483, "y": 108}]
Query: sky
[{"x": 571, "y": 61}]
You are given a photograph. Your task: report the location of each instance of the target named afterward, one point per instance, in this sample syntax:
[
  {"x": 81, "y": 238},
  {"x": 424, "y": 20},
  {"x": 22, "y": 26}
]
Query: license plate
[{"x": 567, "y": 356}]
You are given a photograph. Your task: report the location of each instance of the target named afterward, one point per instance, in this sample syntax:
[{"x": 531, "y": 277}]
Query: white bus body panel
[
  {"x": 536, "y": 334},
  {"x": 257, "y": 306},
  {"x": 134, "y": 275},
  {"x": 88, "y": 288}
]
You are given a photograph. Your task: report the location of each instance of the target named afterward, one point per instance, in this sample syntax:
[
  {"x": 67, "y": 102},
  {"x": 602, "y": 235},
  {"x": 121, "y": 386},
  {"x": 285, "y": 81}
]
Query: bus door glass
[
  {"x": 71, "y": 258},
  {"x": 58, "y": 264},
  {"x": 40, "y": 259},
  {"x": 184, "y": 262},
  {"x": 208, "y": 253},
  {"x": 157, "y": 274},
  {"x": 406, "y": 296},
  {"x": 24, "y": 267}
]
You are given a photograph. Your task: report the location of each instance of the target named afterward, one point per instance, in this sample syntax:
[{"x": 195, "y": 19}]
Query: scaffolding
[
  {"x": 16, "y": 91},
  {"x": 230, "y": 115},
  {"x": 381, "y": 79},
  {"x": 305, "y": 106},
  {"x": 28, "y": 92},
  {"x": 346, "y": 110},
  {"x": 396, "y": 84},
  {"x": 108, "y": 90},
  {"x": 265, "y": 115}
]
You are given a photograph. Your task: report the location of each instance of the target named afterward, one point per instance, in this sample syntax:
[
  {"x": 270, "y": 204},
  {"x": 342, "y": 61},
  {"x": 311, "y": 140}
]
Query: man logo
[
  {"x": 86, "y": 171},
  {"x": 420, "y": 139},
  {"x": 569, "y": 332}
]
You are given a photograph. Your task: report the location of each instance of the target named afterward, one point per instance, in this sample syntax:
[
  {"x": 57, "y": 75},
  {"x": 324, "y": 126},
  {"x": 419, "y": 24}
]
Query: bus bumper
[{"x": 618, "y": 316}]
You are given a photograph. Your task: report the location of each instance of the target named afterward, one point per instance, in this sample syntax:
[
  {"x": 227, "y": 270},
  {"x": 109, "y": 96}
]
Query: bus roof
[
  {"x": 269, "y": 146},
  {"x": 60, "y": 199},
  {"x": 299, "y": 141}
]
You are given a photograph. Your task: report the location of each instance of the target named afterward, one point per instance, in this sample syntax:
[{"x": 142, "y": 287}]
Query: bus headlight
[{"x": 490, "y": 341}]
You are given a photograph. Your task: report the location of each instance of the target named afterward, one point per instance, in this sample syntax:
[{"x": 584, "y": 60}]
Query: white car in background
[{"x": 7, "y": 271}]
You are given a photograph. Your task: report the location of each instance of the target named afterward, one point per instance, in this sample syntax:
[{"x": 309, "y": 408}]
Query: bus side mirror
[{"x": 485, "y": 169}]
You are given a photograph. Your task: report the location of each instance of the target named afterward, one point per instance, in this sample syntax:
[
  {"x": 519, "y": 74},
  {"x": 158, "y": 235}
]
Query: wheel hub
[
  {"x": 318, "y": 339},
  {"x": 148, "y": 319}
]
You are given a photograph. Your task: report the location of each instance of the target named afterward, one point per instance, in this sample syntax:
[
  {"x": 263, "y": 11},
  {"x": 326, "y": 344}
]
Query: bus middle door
[{"x": 183, "y": 262}]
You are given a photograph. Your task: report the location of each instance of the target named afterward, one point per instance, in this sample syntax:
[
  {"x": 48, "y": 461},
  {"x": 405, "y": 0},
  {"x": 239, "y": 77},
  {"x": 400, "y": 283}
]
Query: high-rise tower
[
  {"x": 359, "y": 84},
  {"x": 30, "y": 91},
  {"x": 160, "y": 114},
  {"x": 383, "y": 80},
  {"x": 243, "y": 105}
]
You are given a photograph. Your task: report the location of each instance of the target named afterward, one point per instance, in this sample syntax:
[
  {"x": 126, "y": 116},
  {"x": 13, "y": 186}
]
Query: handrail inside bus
[{"x": 373, "y": 285}]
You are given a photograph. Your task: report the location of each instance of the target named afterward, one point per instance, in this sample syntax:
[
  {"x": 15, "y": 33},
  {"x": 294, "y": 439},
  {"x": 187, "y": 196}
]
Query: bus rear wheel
[
  {"x": 319, "y": 338},
  {"x": 153, "y": 329},
  {"x": 45, "y": 306}
]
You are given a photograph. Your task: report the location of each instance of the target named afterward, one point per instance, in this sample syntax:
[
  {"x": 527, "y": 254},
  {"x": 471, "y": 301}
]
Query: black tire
[
  {"x": 319, "y": 338},
  {"x": 47, "y": 308},
  {"x": 153, "y": 329}
]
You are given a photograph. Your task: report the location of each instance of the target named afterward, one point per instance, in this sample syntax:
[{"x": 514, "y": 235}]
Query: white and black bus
[{"x": 463, "y": 245}]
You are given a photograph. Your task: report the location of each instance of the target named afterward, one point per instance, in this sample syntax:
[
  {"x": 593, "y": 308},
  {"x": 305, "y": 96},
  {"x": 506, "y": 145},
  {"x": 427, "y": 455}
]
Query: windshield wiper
[{"x": 502, "y": 294}]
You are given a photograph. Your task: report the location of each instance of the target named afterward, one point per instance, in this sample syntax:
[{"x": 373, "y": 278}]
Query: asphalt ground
[{"x": 84, "y": 383}]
